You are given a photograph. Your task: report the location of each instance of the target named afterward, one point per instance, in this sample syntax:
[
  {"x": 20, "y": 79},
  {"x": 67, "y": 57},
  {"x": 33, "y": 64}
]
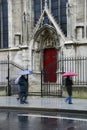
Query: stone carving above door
[{"x": 49, "y": 43}]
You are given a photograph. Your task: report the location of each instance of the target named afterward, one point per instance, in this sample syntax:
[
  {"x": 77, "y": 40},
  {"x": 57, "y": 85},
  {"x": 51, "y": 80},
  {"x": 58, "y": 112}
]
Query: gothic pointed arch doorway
[{"x": 45, "y": 53}]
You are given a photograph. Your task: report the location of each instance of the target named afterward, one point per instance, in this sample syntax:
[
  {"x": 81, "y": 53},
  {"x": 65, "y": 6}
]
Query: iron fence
[
  {"x": 78, "y": 65},
  {"x": 65, "y": 64},
  {"x": 9, "y": 71}
]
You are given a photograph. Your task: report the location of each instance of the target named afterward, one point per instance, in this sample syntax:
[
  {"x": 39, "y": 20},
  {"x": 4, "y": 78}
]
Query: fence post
[
  {"x": 41, "y": 84},
  {"x": 62, "y": 72},
  {"x": 9, "y": 86}
]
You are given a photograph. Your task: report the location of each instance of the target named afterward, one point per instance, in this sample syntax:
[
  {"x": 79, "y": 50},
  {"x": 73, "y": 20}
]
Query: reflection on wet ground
[{"x": 16, "y": 120}]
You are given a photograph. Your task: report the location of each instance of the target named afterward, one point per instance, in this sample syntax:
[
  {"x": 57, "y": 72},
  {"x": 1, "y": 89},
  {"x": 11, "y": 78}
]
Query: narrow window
[{"x": 3, "y": 24}]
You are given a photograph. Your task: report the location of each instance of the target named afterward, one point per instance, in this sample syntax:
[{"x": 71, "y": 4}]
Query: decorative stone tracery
[{"x": 49, "y": 42}]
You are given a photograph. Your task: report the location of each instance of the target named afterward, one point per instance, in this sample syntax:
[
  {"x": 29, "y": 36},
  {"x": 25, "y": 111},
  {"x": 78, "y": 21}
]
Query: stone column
[
  {"x": 24, "y": 22},
  {"x": 30, "y": 18},
  {"x": 25, "y": 59}
]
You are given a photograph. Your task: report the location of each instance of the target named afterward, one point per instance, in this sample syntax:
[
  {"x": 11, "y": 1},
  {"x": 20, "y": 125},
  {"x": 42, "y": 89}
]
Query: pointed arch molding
[
  {"x": 45, "y": 27},
  {"x": 47, "y": 36},
  {"x": 52, "y": 20}
]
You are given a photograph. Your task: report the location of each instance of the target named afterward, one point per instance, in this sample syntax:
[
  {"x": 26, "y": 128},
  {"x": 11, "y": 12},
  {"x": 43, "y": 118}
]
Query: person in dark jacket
[
  {"x": 23, "y": 88},
  {"x": 68, "y": 84}
]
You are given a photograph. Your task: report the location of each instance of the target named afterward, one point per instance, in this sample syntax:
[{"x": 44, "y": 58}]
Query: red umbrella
[{"x": 69, "y": 74}]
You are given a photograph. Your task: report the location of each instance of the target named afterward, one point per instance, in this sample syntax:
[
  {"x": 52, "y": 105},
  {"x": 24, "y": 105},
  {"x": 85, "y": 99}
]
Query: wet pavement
[
  {"x": 41, "y": 121},
  {"x": 42, "y": 114},
  {"x": 45, "y": 104}
]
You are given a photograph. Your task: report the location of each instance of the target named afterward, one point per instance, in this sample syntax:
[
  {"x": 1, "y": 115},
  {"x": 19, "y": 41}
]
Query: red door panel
[{"x": 50, "y": 65}]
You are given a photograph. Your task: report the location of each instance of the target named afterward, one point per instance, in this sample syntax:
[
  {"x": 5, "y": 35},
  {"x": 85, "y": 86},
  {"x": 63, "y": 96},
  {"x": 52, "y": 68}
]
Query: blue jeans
[{"x": 69, "y": 99}]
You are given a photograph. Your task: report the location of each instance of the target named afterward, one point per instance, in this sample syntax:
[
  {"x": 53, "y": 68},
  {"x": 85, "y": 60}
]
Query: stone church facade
[
  {"x": 25, "y": 37},
  {"x": 37, "y": 28}
]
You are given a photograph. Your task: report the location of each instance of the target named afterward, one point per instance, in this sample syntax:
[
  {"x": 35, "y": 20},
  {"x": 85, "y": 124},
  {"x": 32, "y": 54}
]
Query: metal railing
[
  {"x": 9, "y": 71},
  {"x": 78, "y": 65}
]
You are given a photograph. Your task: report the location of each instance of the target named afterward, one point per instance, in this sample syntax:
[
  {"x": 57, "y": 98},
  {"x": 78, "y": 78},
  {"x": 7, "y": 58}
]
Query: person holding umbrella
[
  {"x": 68, "y": 84},
  {"x": 23, "y": 86}
]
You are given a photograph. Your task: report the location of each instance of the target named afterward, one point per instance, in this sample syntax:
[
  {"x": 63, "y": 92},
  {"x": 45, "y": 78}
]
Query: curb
[{"x": 33, "y": 109}]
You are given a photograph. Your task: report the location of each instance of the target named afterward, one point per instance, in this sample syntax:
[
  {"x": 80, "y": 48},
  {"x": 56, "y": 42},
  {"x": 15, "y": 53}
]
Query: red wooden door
[{"x": 50, "y": 65}]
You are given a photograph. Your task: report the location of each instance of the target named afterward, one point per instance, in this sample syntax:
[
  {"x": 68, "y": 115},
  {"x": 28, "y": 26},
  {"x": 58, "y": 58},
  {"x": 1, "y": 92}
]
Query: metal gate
[{"x": 51, "y": 88}]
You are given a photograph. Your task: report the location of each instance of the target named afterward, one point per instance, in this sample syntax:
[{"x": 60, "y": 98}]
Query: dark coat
[
  {"x": 68, "y": 84},
  {"x": 23, "y": 86}
]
